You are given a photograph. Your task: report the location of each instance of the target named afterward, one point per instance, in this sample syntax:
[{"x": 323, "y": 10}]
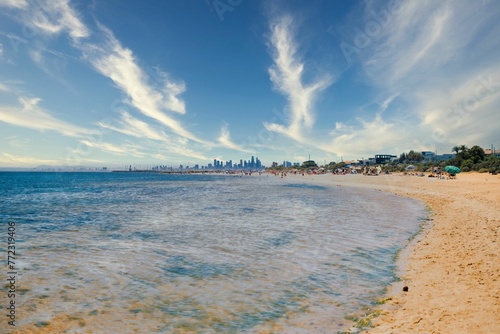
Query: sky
[{"x": 111, "y": 83}]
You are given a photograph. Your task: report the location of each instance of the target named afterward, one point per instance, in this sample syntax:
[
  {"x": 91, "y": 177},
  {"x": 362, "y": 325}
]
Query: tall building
[{"x": 252, "y": 163}]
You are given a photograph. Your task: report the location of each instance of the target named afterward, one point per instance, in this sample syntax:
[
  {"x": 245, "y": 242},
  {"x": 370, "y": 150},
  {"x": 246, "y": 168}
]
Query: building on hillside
[
  {"x": 367, "y": 162},
  {"x": 489, "y": 151},
  {"x": 428, "y": 156},
  {"x": 382, "y": 159},
  {"x": 352, "y": 163},
  {"x": 445, "y": 157}
]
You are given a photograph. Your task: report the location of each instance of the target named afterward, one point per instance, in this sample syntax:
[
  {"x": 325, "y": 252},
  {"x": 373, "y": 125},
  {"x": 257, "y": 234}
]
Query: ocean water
[{"x": 153, "y": 253}]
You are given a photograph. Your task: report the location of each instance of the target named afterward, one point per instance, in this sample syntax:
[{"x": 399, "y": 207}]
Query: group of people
[
  {"x": 436, "y": 172},
  {"x": 372, "y": 170},
  {"x": 439, "y": 173}
]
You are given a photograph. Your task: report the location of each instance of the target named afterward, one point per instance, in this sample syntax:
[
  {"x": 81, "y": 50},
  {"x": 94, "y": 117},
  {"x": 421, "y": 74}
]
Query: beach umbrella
[
  {"x": 410, "y": 167},
  {"x": 452, "y": 169}
]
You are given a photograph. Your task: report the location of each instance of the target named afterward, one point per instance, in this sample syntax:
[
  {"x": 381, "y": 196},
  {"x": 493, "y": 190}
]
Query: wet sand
[{"x": 453, "y": 270}]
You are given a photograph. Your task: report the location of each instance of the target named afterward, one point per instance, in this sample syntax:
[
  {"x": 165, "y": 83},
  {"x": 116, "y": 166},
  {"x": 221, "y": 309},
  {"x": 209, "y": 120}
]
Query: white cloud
[
  {"x": 114, "y": 61},
  {"x": 14, "y": 3},
  {"x": 385, "y": 104},
  {"x": 36, "y": 56},
  {"x": 50, "y": 17},
  {"x": 4, "y": 88},
  {"x": 225, "y": 140},
  {"x": 8, "y": 160},
  {"x": 415, "y": 41},
  {"x": 18, "y": 142},
  {"x": 287, "y": 77},
  {"x": 57, "y": 16},
  {"x": 134, "y": 127},
  {"x": 129, "y": 150},
  {"x": 365, "y": 137},
  {"x": 11, "y": 160},
  {"x": 468, "y": 113},
  {"x": 431, "y": 56},
  {"x": 187, "y": 152},
  {"x": 29, "y": 115},
  {"x": 153, "y": 93},
  {"x": 425, "y": 39}
]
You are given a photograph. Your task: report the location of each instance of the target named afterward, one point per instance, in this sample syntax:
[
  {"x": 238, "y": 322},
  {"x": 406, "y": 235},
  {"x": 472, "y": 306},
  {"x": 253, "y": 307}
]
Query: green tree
[
  {"x": 402, "y": 157},
  {"x": 414, "y": 156},
  {"x": 476, "y": 153},
  {"x": 467, "y": 165},
  {"x": 464, "y": 152},
  {"x": 339, "y": 165},
  {"x": 309, "y": 164}
]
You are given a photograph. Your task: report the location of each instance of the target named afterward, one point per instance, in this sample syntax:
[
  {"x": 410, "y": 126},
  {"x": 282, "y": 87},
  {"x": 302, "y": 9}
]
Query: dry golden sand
[{"x": 453, "y": 271}]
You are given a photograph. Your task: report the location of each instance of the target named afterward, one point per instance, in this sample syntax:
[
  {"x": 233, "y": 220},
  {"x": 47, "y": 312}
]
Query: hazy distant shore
[{"x": 453, "y": 272}]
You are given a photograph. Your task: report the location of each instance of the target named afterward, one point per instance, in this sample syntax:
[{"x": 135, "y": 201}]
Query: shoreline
[{"x": 452, "y": 268}]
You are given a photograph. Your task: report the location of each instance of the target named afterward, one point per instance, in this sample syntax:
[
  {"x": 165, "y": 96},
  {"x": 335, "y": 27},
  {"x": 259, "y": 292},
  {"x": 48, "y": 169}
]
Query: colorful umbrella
[{"x": 452, "y": 169}]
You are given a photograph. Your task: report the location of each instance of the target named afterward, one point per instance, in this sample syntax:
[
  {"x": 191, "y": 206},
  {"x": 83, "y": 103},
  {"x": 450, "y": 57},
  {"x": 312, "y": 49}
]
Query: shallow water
[{"x": 132, "y": 252}]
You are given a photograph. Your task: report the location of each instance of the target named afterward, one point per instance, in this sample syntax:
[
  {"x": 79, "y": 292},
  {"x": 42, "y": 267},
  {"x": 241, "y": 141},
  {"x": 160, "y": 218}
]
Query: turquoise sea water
[{"x": 152, "y": 253}]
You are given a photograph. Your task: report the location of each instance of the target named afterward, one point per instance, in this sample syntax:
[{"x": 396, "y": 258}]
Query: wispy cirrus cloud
[
  {"x": 112, "y": 60},
  {"x": 14, "y": 3},
  {"x": 118, "y": 63},
  {"x": 7, "y": 159},
  {"x": 55, "y": 17},
  {"x": 225, "y": 140},
  {"x": 17, "y": 142},
  {"x": 287, "y": 75},
  {"x": 155, "y": 96},
  {"x": 127, "y": 149},
  {"x": 4, "y": 88},
  {"x": 132, "y": 126},
  {"x": 29, "y": 114},
  {"x": 366, "y": 136},
  {"x": 425, "y": 38},
  {"x": 426, "y": 62}
]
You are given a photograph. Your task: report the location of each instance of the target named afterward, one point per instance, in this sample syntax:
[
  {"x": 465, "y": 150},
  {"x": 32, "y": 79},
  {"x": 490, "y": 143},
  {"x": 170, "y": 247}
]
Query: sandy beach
[{"x": 452, "y": 270}]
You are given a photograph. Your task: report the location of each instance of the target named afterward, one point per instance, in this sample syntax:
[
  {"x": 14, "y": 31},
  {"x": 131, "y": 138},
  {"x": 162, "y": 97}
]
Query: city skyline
[{"x": 186, "y": 82}]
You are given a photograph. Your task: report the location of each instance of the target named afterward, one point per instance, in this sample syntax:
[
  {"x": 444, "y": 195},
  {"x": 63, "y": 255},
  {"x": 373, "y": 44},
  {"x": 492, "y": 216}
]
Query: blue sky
[{"x": 108, "y": 83}]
